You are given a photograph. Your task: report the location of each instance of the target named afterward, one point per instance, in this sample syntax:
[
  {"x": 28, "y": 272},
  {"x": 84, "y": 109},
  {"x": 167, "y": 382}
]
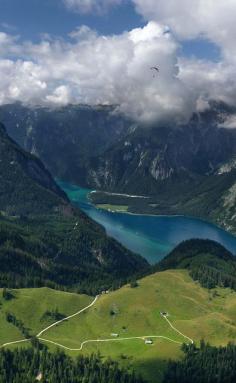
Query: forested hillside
[
  {"x": 44, "y": 240},
  {"x": 26, "y": 186},
  {"x": 205, "y": 364},
  {"x": 208, "y": 262}
]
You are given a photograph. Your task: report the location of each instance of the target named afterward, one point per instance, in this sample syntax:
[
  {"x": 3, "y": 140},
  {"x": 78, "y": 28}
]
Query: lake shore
[{"x": 150, "y": 235}]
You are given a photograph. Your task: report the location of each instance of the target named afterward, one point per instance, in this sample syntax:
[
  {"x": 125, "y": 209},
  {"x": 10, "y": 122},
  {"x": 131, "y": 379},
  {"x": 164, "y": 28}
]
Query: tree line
[
  {"x": 32, "y": 365},
  {"x": 206, "y": 364}
]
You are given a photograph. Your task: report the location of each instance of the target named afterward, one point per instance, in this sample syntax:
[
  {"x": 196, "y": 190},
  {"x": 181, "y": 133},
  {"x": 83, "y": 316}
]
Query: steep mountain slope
[
  {"x": 46, "y": 241},
  {"x": 188, "y": 169},
  {"x": 26, "y": 187},
  {"x": 66, "y": 137},
  {"x": 163, "y": 156}
]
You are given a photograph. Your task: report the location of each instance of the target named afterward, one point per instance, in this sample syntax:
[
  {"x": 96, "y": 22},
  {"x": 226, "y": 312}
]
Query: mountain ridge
[{"x": 185, "y": 169}]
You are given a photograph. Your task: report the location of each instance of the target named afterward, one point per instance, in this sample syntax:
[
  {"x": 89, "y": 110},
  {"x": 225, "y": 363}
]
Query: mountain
[
  {"x": 184, "y": 169},
  {"x": 148, "y": 159},
  {"x": 44, "y": 240},
  {"x": 26, "y": 186},
  {"x": 212, "y": 199},
  {"x": 208, "y": 262},
  {"x": 64, "y": 138},
  {"x": 188, "y": 169}
]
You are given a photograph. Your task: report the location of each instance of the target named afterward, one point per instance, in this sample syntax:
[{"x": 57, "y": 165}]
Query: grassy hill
[{"x": 196, "y": 312}]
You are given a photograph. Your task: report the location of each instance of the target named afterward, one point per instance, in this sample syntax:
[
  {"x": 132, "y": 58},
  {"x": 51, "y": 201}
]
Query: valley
[
  {"x": 117, "y": 191},
  {"x": 86, "y": 280},
  {"x": 186, "y": 169},
  {"x": 149, "y": 235}
]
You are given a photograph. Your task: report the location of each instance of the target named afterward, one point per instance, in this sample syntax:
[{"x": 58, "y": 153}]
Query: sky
[{"x": 55, "y": 52}]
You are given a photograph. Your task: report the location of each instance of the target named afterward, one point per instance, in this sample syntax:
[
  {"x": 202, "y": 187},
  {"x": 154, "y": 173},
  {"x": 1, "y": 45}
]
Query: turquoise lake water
[{"x": 151, "y": 236}]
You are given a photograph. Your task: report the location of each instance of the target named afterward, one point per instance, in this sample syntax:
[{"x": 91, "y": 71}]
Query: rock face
[
  {"x": 65, "y": 138},
  {"x": 96, "y": 147},
  {"x": 188, "y": 169},
  {"x": 227, "y": 211},
  {"x": 157, "y": 156}
]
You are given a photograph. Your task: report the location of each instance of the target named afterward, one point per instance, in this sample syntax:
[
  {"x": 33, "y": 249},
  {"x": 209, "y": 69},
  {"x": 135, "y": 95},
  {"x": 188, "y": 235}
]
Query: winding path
[
  {"x": 52, "y": 325},
  {"x": 108, "y": 340},
  {"x": 15, "y": 342},
  {"x": 176, "y": 330},
  {"x": 143, "y": 338},
  {"x": 69, "y": 317}
]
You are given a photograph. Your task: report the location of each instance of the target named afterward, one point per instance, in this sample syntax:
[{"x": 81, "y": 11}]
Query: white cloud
[
  {"x": 209, "y": 80},
  {"x": 98, "y": 69},
  {"x": 188, "y": 19},
  {"x": 61, "y": 95},
  {"x": 88, "y": 6},
  {"x": 90, "y": 68},
  {"x": 230, "y": 123},
  {"x": 213, "y": 20}
]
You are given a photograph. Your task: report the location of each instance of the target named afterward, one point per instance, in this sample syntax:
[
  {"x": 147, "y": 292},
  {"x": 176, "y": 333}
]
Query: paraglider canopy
[{"x": 155, "y": 69}]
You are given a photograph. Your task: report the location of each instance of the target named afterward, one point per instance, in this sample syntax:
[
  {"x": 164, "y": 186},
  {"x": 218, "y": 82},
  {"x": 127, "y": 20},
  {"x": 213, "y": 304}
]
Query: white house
[{"x": 148, "y": 341}]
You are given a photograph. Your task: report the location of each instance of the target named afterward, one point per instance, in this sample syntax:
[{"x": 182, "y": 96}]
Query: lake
[{"x": 151, "y": 236}]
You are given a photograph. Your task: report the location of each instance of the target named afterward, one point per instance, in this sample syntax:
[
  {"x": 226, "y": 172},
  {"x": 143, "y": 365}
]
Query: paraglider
[{"x": 156, "y": 69}]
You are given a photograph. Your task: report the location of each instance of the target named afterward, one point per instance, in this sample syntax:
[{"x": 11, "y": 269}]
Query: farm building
[
  {"x": 148, "y": 341},
  {"x": 164, "y": 314}
]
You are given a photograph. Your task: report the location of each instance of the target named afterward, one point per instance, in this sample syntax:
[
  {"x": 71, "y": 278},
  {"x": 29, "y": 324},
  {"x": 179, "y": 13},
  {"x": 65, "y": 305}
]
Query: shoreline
[
  {"x": 204, "y": 220},
  {"x": 121, "y": 194}
]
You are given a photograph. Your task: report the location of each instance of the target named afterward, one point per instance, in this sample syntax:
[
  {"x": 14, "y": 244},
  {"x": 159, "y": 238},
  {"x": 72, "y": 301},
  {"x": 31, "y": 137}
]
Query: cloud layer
[
  {"x": 96, "y": 69},
  {"x": 209, "y": 19},
  {"x": 90, "y": 68}
]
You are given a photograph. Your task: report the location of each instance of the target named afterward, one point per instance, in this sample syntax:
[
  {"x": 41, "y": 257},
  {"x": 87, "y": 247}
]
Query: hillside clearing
[{"x": 129, "y": 312}]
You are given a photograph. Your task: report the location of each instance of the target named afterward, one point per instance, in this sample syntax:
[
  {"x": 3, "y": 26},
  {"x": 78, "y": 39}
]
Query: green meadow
[
  {"x": 129, "y": 312},
  {"x": 115, "y": 208}
]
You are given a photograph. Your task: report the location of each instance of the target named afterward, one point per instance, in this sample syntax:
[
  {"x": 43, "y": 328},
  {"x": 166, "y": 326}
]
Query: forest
[
  {"x": 206, "y": 364},
  {"x": 32, "y": 365},
  {"x": 45, "y": 250}
]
